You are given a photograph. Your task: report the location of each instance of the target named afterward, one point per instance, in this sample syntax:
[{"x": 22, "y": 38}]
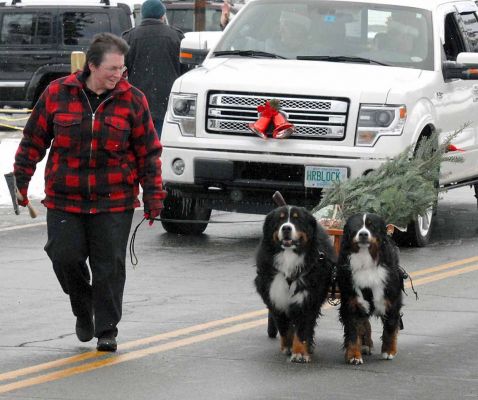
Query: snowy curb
[{"x": 8, "y": 147}]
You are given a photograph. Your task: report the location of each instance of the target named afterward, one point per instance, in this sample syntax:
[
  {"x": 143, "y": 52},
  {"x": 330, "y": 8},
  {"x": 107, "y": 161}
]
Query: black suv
[{"x": 38, "y": 36}]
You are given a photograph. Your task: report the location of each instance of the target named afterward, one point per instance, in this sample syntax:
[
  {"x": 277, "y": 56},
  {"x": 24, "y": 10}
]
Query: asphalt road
[{"x": 193, "y": 326}]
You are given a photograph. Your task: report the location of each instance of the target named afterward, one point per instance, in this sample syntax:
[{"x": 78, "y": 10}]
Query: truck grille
[{"x": 313, "y": 117}]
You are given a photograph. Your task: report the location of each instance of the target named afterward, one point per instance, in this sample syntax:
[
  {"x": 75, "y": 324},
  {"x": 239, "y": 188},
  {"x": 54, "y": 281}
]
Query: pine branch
[{"x": 401, "y": 188}]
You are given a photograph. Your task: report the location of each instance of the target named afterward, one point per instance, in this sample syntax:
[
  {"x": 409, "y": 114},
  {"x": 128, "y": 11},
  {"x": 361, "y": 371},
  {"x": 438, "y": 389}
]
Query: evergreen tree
[{"x": 400, "y": 189}]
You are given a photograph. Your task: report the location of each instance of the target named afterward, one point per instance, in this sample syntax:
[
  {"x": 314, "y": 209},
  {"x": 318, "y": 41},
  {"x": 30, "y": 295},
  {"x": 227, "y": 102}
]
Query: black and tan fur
[
  {"x": 294, "y": 264},
  {"x": 370, "y": 283}
]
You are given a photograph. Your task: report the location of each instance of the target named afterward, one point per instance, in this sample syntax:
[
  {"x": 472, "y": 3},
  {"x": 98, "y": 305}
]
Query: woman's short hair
[{"x": 104, "y": 43}]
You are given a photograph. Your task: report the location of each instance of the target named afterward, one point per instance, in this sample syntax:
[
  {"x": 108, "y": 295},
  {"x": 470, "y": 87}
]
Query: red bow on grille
[{"x": 267, "y": 110}]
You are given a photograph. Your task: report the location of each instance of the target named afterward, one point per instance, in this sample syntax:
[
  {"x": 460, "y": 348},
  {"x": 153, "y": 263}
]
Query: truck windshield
[{"x": 332, "y": 30}]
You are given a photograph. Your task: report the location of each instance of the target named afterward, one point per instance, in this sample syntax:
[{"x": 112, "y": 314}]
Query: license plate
[{"x": 323, "y": 177}]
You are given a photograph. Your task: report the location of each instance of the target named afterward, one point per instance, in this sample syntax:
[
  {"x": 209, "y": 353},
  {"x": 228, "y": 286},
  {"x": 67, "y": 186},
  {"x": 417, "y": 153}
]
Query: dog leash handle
[{"x": 132, "y": 253}]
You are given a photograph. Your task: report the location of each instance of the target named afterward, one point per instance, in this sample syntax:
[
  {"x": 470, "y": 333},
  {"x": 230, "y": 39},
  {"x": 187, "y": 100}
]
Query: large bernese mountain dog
[
  {"x": 370, "y": 283},
  {"x": 294, "y": 267}
]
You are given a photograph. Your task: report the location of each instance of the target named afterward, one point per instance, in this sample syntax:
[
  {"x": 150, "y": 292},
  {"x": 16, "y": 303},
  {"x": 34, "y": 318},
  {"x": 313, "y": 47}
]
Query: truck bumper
[{"x": 235, "y": 181}]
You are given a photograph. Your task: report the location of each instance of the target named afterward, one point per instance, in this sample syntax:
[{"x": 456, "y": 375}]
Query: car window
[
  {"x": 26, "y": 28},
  {"x": 80, "y": 27},
  {"x": 184, "y": 19},
  {"x": 470, "y": 23},
  {"x": 213, "y": 20},
  {"x": 389, "y": 34},
  {"x": 453, "y": 40}
]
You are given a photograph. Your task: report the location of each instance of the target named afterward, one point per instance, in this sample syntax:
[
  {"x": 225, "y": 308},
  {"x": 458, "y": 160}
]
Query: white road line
[{"x": 18, "y": 227}]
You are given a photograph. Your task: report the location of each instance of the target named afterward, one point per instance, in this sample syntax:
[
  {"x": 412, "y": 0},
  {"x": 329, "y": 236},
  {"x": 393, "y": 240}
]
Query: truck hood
[{"x": 298, "y": 77}]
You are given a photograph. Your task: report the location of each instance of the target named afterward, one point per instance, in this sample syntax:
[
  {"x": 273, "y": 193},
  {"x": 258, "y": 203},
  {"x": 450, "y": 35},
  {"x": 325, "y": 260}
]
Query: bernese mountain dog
[
  {"x": 370, "y": 282},
  {"x": 294, "y": 262}
]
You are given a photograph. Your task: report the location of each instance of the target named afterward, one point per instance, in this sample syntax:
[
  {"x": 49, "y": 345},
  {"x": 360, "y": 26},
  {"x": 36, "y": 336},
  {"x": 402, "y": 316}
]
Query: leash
[
  {"x": 132, "y": 252},
  {"x": 333, "y": 297},
  {"x": 405, "y": 275},
  {"x": 204, "y": 221}
]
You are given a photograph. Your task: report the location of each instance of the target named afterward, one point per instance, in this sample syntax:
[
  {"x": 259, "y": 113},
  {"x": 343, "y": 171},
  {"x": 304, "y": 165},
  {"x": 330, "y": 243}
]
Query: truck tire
[
  {"x": 178, "y": 208},
  {"x": 418, "y": 232}
]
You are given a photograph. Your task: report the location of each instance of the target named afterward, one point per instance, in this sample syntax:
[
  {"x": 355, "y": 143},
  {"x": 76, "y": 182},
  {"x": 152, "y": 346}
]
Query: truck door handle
[{"x": 39, "y": 57}]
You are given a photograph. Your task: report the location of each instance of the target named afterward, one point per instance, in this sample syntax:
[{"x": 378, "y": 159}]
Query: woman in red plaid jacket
[{"x": 102, "y": 146}]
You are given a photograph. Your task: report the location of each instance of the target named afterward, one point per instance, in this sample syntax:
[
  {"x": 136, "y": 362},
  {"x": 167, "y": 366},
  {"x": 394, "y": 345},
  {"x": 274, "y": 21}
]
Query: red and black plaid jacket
[{"x": 97, "y": 159}]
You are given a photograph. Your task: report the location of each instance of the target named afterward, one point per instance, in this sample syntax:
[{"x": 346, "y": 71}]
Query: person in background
[
  {"x": 102, "y": 145},
  {"x": 225, "y": 14},
  {"x": 291, "y": 40},
  {"x": 153, "y": 59}
]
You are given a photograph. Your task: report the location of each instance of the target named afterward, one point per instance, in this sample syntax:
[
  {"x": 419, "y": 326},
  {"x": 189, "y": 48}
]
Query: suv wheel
[
  {"x": 418, "y": 232},
  {"x": 178, "y": 208}
]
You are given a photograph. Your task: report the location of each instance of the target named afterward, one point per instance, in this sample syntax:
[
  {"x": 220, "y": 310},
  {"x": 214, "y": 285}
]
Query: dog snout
[
  {"x": 286, "y": 231},
  {"x": 363, "y": 236}
]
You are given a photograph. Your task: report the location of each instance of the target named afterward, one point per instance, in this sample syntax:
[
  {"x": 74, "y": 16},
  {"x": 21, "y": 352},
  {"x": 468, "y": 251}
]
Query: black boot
[
  {"x": 107, "y": 342},
  {"x": 85, "y": 328}
]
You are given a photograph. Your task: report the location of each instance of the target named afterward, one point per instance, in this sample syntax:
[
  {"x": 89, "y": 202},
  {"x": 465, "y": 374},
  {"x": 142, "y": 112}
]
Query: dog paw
[
  {"x": 366, "y": 350},
  {"x": 286, "y": 350},
  {"x": 355, "y": 361},
  {"x": 300, "y": 358},
  {"x": 388, "y": 356}
]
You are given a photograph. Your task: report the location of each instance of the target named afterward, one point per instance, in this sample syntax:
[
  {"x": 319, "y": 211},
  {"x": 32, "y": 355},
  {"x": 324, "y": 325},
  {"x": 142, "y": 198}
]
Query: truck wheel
[
  {"x": 418, "y": 232},
  {"x": 178, "y": 208}
]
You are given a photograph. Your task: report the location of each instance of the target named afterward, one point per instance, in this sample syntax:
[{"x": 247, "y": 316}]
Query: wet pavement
[{"x": 193, "y": 326}]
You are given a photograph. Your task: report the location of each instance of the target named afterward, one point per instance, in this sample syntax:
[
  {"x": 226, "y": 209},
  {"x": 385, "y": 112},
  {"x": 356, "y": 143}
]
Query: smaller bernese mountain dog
[
  {"x": 294, "y": 266},
  {"x": 370, "y": 282}
]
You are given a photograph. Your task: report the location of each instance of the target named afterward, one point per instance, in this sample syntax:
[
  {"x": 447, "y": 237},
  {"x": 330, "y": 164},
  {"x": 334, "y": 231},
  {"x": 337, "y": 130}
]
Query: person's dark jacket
[
  {"x": 153, "y": 61},
  {"x": 97, "y": 157}
]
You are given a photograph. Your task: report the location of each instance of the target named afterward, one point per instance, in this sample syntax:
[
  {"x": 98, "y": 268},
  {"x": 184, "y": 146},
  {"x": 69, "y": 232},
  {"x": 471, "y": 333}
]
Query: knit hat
[{"x": 152, "y": 9}]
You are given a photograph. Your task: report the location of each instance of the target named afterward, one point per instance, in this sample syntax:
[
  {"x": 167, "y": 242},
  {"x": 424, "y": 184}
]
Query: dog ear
[
  {"x": 311, "y": 221},
  {"x": 269, "y": 227},
  {"x": 346, "y": 241},
  {"x": 382, "y": 227},
  {"x": 268, "y": 223},
  {"x": 389, "y": 251}
]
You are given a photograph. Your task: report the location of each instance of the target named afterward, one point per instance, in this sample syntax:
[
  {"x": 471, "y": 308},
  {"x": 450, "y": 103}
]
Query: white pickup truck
[{"x": 360, "y": 80}]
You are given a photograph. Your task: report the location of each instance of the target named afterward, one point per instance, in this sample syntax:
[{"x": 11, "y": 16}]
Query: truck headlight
[
  {"x": 182, "y": 111},
  {"x": 378, "y": 120}
]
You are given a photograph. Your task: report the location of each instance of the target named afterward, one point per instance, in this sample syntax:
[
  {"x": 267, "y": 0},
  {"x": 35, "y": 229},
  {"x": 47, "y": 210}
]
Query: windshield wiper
[
  {"x": 342, "y": 59},
  {"x": 247, "y": 53}
]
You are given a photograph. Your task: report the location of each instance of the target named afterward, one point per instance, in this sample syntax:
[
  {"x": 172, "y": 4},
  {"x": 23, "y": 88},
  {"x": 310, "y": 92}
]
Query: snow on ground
[{"x": 8, "y": 147}]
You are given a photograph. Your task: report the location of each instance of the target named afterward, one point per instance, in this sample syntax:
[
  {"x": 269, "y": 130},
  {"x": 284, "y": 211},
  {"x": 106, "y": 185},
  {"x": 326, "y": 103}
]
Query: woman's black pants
[{"x": 102, "y": 239}]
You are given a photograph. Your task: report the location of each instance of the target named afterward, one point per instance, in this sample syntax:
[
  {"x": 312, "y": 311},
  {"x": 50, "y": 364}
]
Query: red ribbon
[
  {"x": 267, "y": 110},
  {"x": 452, "y": 147}
]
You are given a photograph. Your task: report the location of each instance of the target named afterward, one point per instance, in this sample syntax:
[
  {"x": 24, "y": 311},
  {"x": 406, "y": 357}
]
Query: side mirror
[
  {"x": 196, "y": 45},
  {"x": 467, "y": 58},
  {"x": 465, "y": 67}
]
